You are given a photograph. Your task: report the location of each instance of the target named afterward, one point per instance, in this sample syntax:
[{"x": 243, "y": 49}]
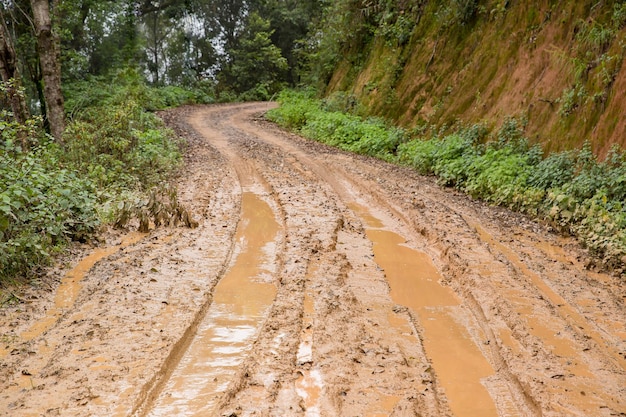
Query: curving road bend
[{"x": 320, "y": 283}]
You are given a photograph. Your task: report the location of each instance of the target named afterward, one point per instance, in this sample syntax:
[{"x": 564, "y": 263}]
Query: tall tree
[
  {"x": 49, "y": 58},
  {"x": 290, "y": 22},
  {"x": 254, "y": 63},
  {"x": 10, "y": 73}
]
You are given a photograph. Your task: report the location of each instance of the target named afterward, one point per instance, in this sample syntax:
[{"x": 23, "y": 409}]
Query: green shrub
[
  {"x": 113, "y": 151},
  {"x": 452, "y": 158},
  {"x": 42, "y": 206},
  {"x": 419, "y": 154},
  {"x": 498, "y": 176},
  {"x": 296, "y": 106},
  {"x": 554, "y": 171},
  {"x": 330, "y": 128},
  {"x": 128, "y": 85},
  {"x": 377, "y": 139},
  {"x": 121, "y": 147}
]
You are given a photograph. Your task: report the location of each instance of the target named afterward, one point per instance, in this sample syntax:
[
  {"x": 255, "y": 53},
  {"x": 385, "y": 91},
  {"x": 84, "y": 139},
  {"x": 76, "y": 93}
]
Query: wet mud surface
[{"x": 318, "y": 284}]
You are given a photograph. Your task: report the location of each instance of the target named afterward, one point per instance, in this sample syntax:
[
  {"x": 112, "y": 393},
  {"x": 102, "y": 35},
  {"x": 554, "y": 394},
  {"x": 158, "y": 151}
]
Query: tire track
[
  {"x": 531, "y": 398},
  {"x": 338, "y": 337},
  {"x": 367, "y": 195}
]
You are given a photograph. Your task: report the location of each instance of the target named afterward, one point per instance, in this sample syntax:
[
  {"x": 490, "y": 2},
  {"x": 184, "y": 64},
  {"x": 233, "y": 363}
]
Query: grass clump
[{"x": 572, "y": 190}]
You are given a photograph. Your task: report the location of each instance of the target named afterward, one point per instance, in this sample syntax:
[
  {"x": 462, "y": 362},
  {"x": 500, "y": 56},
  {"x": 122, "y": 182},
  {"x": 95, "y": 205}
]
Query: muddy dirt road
[{"x": 317, "y": 284}]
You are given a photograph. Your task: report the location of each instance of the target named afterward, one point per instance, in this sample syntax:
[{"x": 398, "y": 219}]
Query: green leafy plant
[
  {"x": 42, "y": 206},
  {"x": 114, "y": 153}
]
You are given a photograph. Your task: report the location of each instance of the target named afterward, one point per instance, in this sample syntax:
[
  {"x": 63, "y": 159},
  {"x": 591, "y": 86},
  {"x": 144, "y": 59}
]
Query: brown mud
[{"x": 318, "y": 283}]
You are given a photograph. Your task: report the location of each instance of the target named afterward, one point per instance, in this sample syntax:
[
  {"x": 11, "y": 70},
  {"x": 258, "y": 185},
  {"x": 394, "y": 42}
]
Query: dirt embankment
[
  {"x": 558, "y": 67},
  {"x": 318, "y": 283}
]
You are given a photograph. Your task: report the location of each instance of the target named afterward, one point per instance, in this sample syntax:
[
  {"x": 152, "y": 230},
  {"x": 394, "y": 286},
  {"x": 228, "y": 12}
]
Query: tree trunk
[
  {"x": 155, "y": 31},
  {"x": 10, "y": 74},
  {"x": 49, "y": 58}
]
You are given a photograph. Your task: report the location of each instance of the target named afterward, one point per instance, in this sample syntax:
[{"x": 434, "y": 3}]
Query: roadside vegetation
[
  {"x": 80, "y": 81},
  {"x": 114, "y": 153},
  {"x": 573, "y": 191}
]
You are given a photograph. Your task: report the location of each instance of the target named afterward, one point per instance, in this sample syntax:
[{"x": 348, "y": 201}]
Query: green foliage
[
  {"x": 594, "y": 38},
  {"x": 113, "y": 140},
  {"x": 42, "y": 205},
  {"x": 396, "y": 28},
  {"x": 500, "y": 174},
  {"x": 296, "y": 106},
  {"x": 256, "y": 65},
  {"x": 290, "y": 22},
  {"x": 618, "y": 19},
  {"x": 571, "y": 100},
  {"x": 345, "y": 28},
  {"x": 341, "y": 102},
  {"x": 113, "y": 152},
  {"x": 370, "y": 137},
  {"x": 420, "y": 154},
  {"x": 87, "y": 95},
  {"x": 554, "y": 171},
  {"x": 595, "y": 59},
  {"x": 465, "y": 10},
  {"x": 571, "y": 190},
  {"x": 451, "y": 159},
  {"x": 456, "y": 13}
]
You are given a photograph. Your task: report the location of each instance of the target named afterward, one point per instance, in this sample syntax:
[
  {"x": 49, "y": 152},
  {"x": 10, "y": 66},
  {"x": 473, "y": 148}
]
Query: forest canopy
[{"x": 226, "y": 47}]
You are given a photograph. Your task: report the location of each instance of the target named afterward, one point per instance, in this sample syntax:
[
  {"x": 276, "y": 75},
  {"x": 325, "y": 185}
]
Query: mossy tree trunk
[
  {"x": 10, "y": 74},
  {"x": 49, "y": 58}
]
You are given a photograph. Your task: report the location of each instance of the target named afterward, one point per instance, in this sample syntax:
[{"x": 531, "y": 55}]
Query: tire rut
[
  {"x": 529, "y": 398},
  {"x": 340, "y": 334}
]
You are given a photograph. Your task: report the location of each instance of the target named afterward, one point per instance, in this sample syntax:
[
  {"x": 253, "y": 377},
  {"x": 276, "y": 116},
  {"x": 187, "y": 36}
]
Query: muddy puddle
[
  {"x": 240, "y": 303},
  {"x": 414, "y": 281},
  {"x": 64, "y": 299},
  {"x": 309, "y": 385},
  {"x": 70, "y": 287}
]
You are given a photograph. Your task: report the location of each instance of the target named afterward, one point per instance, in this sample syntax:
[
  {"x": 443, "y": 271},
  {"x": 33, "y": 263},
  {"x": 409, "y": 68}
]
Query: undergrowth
[
  {"x": 572, "y": 190},
  {"x": 115, "y": 155},
  {"x": 43, "y": 204}
]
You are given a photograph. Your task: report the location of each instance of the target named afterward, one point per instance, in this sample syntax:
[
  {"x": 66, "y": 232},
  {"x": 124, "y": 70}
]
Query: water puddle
[
  {"x": 414, "y": 281},
  {"x": 71, "y": 285},
  {"x": 309, "y": 385},
  {"x": 567, "y": 310},
  {"x": 588, "y": 301},
  {"x": 309, "y": 388},
  {"x": 239, "y": 306}
]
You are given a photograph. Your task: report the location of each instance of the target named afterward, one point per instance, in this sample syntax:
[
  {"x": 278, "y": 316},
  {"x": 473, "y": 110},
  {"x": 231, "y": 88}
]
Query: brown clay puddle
[
  {"x": 64, "y": 299},
  {"x": 71, "y": 285},
  {"x": 240, "y": 303},
  {"x": 458, "y": 363},
  {"x": 309, "y": 385},
  {"x": 614, "y": 325}
]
